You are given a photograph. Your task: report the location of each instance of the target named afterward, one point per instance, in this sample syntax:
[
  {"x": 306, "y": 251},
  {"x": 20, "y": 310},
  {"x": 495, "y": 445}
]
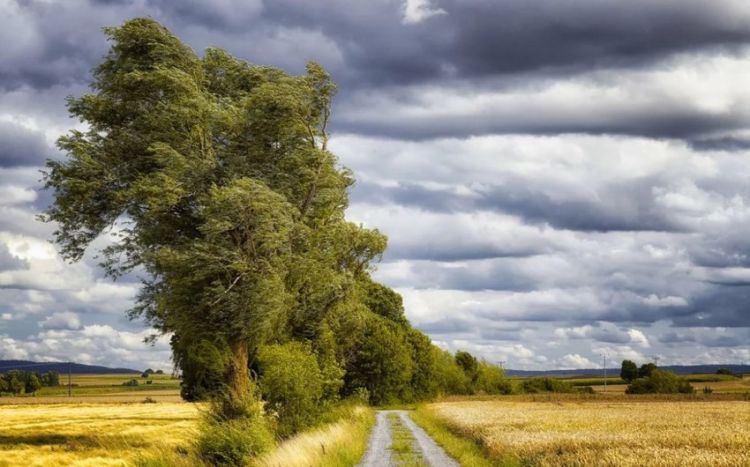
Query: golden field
[
  {"x": 607, "y": 432},
  {"x": 92, "y": 434}
]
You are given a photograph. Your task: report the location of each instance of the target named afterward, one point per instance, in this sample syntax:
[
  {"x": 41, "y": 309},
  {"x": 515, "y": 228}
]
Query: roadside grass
[
  {"x": 467, "y": 450},
  {"x": 339, "y": 443},
  {"x": 403, "y": 444},
  {"x": 598, "y": 431}
]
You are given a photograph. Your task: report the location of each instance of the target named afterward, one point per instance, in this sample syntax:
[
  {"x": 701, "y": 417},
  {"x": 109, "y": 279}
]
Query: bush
[
  {"x": 449, "y": 377},
  {"x": 132, "y": 382},
  {"x": 537, "y": 385},
  {"x": 660, "y": 382},
  {"x": 646, "y": 369},
  {"x": 291, "y": 384},
  {"x": 233, "y": 442},
  {"x": 491, "y": 380}
]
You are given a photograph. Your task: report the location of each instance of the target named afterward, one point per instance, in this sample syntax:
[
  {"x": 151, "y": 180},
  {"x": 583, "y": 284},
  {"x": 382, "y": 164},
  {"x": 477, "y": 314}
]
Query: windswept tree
[{"x": 216, "y": 179}]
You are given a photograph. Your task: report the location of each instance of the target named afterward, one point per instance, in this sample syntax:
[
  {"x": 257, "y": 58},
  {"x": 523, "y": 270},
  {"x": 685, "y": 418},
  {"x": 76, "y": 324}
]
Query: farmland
[
  {"x": 112, "y": 434},
  {"x": 88, "y": 388},
  {"x": 603, "y": 430}
]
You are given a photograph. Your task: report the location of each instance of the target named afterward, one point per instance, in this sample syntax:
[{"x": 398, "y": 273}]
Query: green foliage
[
  {"x": 468, "y": 364},
  {"x": 51, "y": 378},
  {"x": 233, "y": 442},
  {"x": 628, "y": 371},
  {"x": 19, "y": 381},
  {"x": 232, "y": 203},
  {"x": 203, "y": 365},
  {"x": 449, "y": 378},
  {"x": 32, "y": 384},
  {"x": 381, "y": 362},
  {"x": 660, "y": 382},
  {"x": 291, "y": 384},
  {"x": 422, "y": 385},
  {"x": 132, "y": 382},
  {"x": 646, "y": 369},
  {"x": 538, "y": 385},
  {"x": 491, "y": 380},
  {"x": 383, "y": 301}
]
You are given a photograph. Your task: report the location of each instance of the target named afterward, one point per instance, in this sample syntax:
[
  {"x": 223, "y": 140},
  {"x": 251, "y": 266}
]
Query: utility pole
[{"x": 69, "y": 385}]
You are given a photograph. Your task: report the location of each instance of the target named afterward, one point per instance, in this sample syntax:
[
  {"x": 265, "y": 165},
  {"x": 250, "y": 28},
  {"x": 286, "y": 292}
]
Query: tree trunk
[{"x": 239, "y": 392}]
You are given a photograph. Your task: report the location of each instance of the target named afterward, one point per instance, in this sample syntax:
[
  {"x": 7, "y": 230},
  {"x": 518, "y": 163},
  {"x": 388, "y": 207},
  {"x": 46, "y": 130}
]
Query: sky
[{"x": 559, "y": 179}]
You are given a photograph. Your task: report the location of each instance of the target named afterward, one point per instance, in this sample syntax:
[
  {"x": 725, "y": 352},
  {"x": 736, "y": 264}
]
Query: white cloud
[
  {"x": 574, "y": 361},
  {"x": 419, "y": 10},
  {"x": 61, "y": 320}
]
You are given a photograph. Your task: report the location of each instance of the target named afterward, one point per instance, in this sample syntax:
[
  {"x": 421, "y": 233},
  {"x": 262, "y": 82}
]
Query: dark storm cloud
[
  {"x": 517, "y": 35},
  {"x": 474, "y": 38},
  {"x": 722, "y": 143},
  {"x": 709, "y": 337},
  {"x": 628, "y": 206},
  {"x": 720, "y": 306},
  {"x": 20, "y": 146}
]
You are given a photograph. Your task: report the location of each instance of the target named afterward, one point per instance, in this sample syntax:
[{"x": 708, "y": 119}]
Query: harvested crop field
[{"x": 605, "y": 432}]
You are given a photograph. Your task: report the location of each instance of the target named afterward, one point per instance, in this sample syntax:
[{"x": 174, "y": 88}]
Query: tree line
[
  {"x": 226, "y": 197},
  {"x": 649, "y": 379},
  {"x": 29, "y": 382}
]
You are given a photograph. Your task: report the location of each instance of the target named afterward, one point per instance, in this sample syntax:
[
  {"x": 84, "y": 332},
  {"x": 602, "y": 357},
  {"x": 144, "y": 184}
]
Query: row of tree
[
  {"x": 18, "y": 381},
  {"x": 227, "y": 197},
  {"x": 649, "y": 379}
]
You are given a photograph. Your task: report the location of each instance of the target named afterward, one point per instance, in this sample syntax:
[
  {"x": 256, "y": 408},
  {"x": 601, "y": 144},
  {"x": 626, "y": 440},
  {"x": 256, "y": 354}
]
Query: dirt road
[{"x": 396, "y": 440}]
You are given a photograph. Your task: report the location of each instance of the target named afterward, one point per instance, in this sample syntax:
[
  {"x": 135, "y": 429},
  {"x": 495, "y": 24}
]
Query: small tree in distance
[
  {"x": 33, "y": 384},
  {"x": 628, "y": 371},
  {"x": 646, "y": 369}
]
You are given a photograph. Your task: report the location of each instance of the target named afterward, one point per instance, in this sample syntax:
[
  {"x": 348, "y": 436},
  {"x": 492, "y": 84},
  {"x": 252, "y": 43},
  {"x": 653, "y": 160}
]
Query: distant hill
[
  {"x": 61, "y": 367},
  {"x": 679, "y": 369}
]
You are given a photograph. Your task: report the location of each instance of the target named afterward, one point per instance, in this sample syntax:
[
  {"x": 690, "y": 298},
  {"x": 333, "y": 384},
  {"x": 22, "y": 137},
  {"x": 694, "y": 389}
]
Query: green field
[{"x": 92, "y": 388}]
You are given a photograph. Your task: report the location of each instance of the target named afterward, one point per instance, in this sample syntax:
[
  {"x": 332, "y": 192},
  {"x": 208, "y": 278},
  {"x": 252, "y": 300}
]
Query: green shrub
[
  {"x": 660, "y": 382},
  {"x": 381, "y": 362},
  {"x": 491, "y": 380},
  {"x": 233, "y": 442},
  {"x": 291, "y": 384},
  {"x": 132, "y": 382},
  {"x": 449, "y": 377},
  {"x": 537, "y": 385}
]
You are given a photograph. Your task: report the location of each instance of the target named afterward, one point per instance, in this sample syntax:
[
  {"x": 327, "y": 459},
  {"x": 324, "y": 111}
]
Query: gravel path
[
  {"x": 378, "y": 452},
  {"x": 379, "y": 448}
]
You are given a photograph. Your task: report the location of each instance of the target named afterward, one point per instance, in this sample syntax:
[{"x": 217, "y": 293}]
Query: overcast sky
[{"x": 557, "y": 179}]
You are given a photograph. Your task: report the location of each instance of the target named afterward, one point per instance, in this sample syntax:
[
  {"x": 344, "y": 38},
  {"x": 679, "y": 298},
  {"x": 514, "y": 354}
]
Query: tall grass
[{"x": 336, "y": 444}]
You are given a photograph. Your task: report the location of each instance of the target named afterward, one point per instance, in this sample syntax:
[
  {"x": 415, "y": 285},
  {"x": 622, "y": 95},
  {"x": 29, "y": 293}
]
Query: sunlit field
[
  {"x": 93, "y": 434},
  {"x": 610, "y": 431}
]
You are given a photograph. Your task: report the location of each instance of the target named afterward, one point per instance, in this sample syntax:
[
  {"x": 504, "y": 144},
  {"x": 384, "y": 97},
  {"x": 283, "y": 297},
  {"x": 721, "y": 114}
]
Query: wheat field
[
  {"x": 605, "y": 432},
  {"x": 92, "y": 434}
]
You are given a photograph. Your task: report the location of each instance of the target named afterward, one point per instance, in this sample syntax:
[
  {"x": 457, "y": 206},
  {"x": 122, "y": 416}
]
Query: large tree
[{"x": 215, "y": 176}]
